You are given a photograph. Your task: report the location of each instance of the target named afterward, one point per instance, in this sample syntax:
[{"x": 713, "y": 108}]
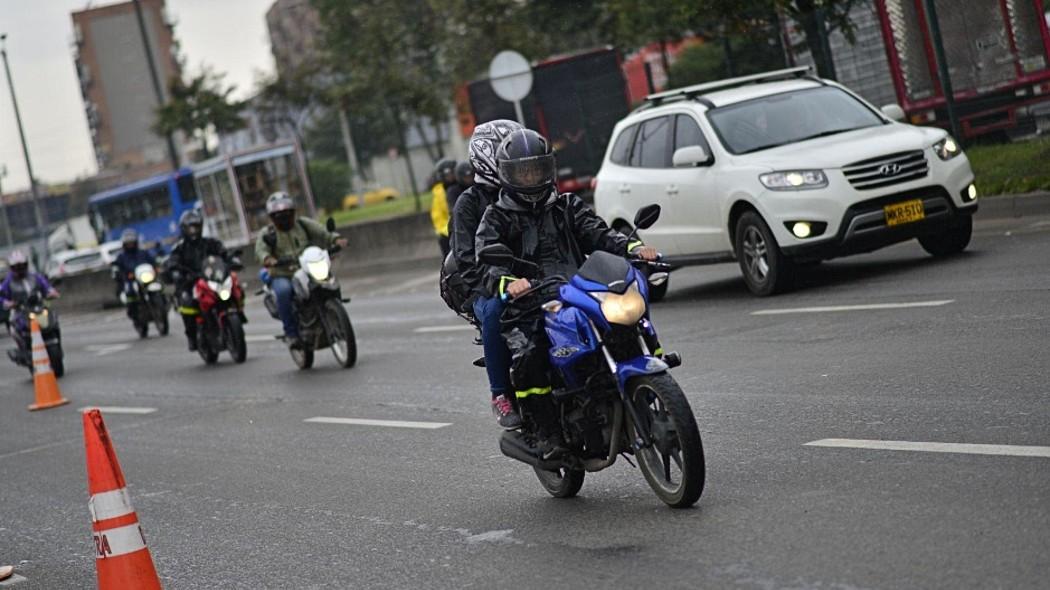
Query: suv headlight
[
  {"x": 794, "y": 180},
  {"x": 947, "y": 148},
  {"x": 625, "y": 309}
]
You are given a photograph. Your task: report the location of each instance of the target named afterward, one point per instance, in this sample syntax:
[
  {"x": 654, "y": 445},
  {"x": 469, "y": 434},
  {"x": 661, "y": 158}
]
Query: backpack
[{"x": 454, "y": 290}]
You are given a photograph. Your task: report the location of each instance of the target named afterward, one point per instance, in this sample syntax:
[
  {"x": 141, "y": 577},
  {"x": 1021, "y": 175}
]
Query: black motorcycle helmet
[
  {"x": 445, "y": 171},
  {"x": 527, "y": 168},
  {"x": 191, "y": 225},
  {"x": 129, "y": 240},
  {"x": 281, "y": 209},
  {"x": 464, "y": 174},
  {"x": 18, "y": 264}
]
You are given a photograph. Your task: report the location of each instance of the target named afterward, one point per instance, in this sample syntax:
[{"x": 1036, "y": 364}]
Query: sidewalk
[{"x": 1014, "y": 205}]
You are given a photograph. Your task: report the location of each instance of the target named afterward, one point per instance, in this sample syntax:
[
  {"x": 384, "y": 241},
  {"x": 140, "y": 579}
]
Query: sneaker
[{"x": 505, "y": 414}]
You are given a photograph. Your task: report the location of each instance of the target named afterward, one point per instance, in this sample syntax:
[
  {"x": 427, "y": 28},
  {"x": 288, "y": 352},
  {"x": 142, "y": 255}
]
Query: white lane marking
[
  {"x": 434, "y": 329},
  {"x": 104, "y": 349},
  {"x": 261, "y": 338},
  {"x": 933, "y": 447},
  {"x": 119, "y": 409},
  {"x": 865, "y": 307},
  {"x": 388, "y": 423}
]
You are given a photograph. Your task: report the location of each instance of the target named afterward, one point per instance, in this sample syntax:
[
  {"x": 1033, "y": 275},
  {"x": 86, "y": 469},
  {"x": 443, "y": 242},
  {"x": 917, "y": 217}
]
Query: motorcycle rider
[
  {"x": 464, "y": 176},
  {"x": 487, "y": 309},
  {"x": 18, "y": 286},
  {"x": 553, "y": 231},
  {"x": 285, "y": 238},
  {"x": 130, "y": 257},
  {"x": 184, "y": 268}
]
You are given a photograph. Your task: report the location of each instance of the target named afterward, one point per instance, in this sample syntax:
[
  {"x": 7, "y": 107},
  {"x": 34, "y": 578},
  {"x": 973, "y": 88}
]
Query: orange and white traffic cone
[
  {"x": 122, "y": 558},
  {"x": 45, "y": 385}
]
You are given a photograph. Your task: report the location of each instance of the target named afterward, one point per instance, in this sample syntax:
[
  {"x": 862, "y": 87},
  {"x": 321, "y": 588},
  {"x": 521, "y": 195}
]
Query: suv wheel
[
  {"x": 952, "y": 240},
  {"x": 766, "y": 269}
]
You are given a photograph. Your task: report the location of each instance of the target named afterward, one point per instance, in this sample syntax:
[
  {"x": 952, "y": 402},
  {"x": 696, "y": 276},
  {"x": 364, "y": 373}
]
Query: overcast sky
[{"x": 228, "y": 35}]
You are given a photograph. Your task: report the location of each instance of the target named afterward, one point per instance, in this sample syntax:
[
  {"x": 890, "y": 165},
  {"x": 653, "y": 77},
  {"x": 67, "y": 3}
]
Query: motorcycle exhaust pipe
[{"x": 513, "y": 445}]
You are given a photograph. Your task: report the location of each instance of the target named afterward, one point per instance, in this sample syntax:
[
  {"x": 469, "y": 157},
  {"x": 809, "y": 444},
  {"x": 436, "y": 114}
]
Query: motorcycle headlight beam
[
  {"x": 626, "y": 309},
  {"x": 226, "y": 289},
  {"x": 319, "y": 270},
  {"x": 146, "y": 277}
]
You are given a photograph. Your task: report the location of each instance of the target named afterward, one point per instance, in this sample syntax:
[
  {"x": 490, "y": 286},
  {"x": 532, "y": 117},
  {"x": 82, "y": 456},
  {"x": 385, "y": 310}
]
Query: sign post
[{"x": 511, "y": 77}]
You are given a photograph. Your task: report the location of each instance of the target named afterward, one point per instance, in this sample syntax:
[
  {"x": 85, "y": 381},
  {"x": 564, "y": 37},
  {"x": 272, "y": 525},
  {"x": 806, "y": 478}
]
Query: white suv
[{"x": 779, "y": 169}]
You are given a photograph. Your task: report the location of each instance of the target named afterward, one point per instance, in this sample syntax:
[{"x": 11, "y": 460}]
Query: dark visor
[{"x": 527, "y": 173}]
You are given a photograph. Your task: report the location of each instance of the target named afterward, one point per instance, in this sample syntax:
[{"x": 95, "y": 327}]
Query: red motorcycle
[{"x": 220, "y": 325}]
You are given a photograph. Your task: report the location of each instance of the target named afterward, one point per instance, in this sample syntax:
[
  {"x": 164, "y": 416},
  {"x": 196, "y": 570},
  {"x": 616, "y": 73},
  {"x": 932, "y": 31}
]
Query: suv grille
[{"x": 886, "y": 170}]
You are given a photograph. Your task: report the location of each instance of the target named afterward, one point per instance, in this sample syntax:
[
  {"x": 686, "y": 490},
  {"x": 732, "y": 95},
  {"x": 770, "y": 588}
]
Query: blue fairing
[
  {"x": 643, "y": 365},
  {"x": 571, "y": 338}
]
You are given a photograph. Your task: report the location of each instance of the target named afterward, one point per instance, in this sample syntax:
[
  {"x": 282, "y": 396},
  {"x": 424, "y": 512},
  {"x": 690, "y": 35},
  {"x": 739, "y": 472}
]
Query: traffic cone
[
  {"x": 44, "y": 383},
  {"x": 122, "y": 558}
]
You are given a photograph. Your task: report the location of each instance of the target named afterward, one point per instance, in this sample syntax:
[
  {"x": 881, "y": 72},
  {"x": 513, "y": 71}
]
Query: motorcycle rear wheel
[
  {"x": 235, "y": 338},
  {"x": 341, "y": 334},
  {"x": 142, "y": 328},
  {"x": 564, "y": 483},
  {"x": 303, "y": 357},
  {"x": 660, "y": 401}
]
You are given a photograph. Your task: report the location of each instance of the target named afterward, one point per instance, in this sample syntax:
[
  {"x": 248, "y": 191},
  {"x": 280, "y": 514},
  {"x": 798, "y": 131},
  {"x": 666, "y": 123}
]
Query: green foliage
[
  {"x": 330, "y": 181},
  {"x": 1011, "y": 168},
  {"x": 196, "y": 107},
  {"x": 387, "y": 209},
  {"x": 697, "y": 64}
]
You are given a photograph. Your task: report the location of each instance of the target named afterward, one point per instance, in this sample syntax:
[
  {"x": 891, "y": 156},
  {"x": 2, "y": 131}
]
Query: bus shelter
[{"x": 233, "y": 188}]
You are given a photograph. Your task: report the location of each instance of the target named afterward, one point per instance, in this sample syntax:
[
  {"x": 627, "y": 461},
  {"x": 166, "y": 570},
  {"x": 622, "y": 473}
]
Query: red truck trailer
[
  {"x": 576, "y": 100},
  {"x": 998, "y": 54}
]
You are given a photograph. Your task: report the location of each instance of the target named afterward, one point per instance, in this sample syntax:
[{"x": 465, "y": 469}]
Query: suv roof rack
[{"x": 694, "y": 91}]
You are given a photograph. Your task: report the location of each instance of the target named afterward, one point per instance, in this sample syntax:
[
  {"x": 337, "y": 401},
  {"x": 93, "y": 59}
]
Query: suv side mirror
[
  {"x": 690, "y": 156},
  {"x": 496, "y": 255},
  {"x": 330, "y": 224},
  {"x": 894, "y": 112},
  {"x": 647, "y": 216}
]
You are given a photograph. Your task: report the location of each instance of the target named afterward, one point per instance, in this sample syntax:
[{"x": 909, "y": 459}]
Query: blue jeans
[
  {"x": 282, "y": 291},
  {"x": 497, "y": 356}
]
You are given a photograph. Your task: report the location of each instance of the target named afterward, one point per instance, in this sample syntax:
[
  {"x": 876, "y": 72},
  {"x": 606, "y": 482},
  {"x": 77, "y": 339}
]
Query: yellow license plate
[{"x": 906, "y": 212}]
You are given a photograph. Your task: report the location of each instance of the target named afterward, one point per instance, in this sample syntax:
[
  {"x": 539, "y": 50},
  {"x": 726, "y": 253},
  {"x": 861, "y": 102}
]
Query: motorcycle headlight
[
  {"x": 146, "y": 277},
  {"x": 625, "y": 309},
  {"x": 319, "y": 270},
  {"x": 226, "y": 289},
  {"x": 947, "y": 148},
  {"x": 794, "y": 180}
]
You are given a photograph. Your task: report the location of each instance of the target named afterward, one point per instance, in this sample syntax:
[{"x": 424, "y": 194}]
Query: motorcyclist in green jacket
[{"x": 278, "y": 249}]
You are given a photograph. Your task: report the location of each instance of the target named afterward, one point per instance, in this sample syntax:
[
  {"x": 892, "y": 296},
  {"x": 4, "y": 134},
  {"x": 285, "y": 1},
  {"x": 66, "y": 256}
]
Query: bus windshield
[
  {"x": 134, "y": 208},
  {"x": 150, "y": 207}
]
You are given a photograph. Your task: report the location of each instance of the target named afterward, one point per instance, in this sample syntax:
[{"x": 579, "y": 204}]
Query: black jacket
[
  {"x": 187, "y": 257},
  {"x": 452, "y": 193},
  {"x": 466, "y": 216},
  {"x": 541, "y": 235}
]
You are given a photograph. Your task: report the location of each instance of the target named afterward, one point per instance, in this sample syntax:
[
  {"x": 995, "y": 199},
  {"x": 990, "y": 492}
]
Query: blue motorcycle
[{"x": 612, "y": 388}]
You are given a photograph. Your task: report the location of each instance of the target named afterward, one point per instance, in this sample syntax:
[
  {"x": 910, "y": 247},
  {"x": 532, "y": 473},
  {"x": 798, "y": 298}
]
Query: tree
[
  {"x": 818, "y": 19},
  {"x": 198, "y": 107},
  {"x": 329, "y": 180}
]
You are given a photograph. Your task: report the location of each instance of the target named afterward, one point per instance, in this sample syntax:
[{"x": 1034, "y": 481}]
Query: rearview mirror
[
  {"x": 647, "y": 216},
  {"x": 894, "y": 112},
  {"x": 690, "y": 156},
  {"x": 330, "y": 224},
  {"x": 496, "y": 255}
]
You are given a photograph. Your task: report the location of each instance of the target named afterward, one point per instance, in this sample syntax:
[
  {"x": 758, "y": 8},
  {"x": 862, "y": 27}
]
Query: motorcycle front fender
[{"x": 636, "y": 367}]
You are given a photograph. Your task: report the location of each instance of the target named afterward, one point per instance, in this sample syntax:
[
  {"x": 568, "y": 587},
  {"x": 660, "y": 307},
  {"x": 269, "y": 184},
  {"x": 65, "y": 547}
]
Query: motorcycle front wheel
[
  {"x": 235, "y": 338},
  {"x": 160, "y": 316},
  {"x": 674, "y": 464},
  {"x": 341, "y": 334},
  {"x": 57, "y": 358}
]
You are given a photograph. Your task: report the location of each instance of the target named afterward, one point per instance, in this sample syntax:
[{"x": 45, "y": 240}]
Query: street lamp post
[
  {"x": 40, "y": 227},
  {"x": 3, "y": 211}
]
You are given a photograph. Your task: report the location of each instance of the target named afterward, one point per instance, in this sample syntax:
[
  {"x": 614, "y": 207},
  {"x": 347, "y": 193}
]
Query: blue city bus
[{"x": 151, "y": 207}]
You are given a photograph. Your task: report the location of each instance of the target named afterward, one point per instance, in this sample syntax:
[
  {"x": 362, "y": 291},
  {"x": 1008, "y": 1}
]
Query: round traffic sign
[{"x": 510, "y": 75}]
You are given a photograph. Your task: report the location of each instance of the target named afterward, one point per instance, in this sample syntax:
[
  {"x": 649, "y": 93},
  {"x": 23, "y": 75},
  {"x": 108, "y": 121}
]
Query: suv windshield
[{"x": 790, "y": 117}]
